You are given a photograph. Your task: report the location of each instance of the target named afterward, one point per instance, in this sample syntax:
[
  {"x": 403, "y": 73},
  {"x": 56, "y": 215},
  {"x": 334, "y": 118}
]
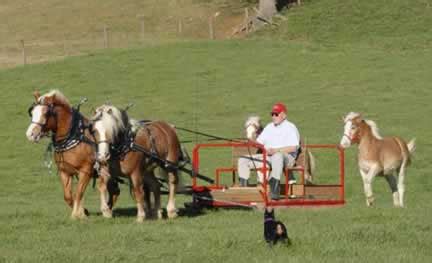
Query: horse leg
[
  {"x": 78, "y": 210},
  {"x": 401, "y": 183},
  {"x": 391, "y": 180},
  {"x": 367, "y": 185},
  {"x": 138, "y": 190},
  {"x": 147, "y": 197},
  {"x": 153, "y": 185},
  {"x": 172, "y": 185},
  {"x": 66, "y": 180},
  {"x": 103, "y": 181}
]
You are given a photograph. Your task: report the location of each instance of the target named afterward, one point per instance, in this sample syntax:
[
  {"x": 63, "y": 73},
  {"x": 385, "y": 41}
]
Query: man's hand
[{"x": 271, "y": 151}]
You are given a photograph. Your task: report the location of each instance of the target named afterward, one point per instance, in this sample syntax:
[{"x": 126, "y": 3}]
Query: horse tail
[
  {"x": 312, "y": 163},
  {"x": 309, "y": 166},
  {"x": 411, "y": 146}
]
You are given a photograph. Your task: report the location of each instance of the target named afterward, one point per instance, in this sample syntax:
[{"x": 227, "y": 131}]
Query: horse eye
[{"x": 353, "y": 127}]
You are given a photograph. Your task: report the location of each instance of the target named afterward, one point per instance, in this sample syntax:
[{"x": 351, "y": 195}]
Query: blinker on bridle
[{"x": 49, "y": 113}]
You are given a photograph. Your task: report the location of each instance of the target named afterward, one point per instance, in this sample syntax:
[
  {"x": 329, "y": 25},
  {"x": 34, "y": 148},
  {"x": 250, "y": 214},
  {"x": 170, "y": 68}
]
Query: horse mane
[
  {"x": 135, "y": 125},
  {"x": 253, "y": 120},
  {"x": 59, "y": 98},
  {"x": 374, "y": 128},
  {"x": 350, "y": 116},
  {"x": 115, "y": 122}
]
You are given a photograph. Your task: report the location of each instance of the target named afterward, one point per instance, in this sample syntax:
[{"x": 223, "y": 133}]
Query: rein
[{"x": 213, "y": 137}]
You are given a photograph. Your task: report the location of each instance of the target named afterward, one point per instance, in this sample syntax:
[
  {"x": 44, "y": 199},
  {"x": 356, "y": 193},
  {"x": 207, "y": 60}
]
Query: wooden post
[
  {"x": 23, "y": 52},
  {"x": 142, "y": 30},
  {"x": 64, "y": 46},
  {"x": 246, "y": 20},
  {"x": 180, "y": 27},
  {"x": 211, "y": 28},
  {"x": 106, "y": 44}
]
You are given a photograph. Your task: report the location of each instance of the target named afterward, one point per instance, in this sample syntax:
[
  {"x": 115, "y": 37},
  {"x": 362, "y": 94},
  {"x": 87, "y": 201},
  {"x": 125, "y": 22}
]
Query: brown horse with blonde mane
[
  {"x": 388, "y": 156},
  {"x": 135, "y": 150},
  {"x": 72, "y": 140}
]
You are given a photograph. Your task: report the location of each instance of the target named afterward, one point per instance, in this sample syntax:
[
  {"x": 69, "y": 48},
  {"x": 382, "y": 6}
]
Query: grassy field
[
  {"x": 54, "y": 29},
  {"x": 213, "y": 87}
]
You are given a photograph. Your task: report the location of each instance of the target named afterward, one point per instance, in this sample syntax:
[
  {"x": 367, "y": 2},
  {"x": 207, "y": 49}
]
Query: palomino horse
[
  {"x": 254, "y": 127},
  {"x": 387, "y": 156},
  {"x": 74, "y": 151},
  {"x": 153, "y": 144}
]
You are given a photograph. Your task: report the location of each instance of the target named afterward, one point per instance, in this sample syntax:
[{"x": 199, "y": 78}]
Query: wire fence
[{"x": 31, "y": 51}]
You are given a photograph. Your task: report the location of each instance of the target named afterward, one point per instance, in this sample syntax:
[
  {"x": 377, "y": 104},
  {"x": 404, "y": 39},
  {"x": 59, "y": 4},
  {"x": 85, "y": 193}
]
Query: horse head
[
  {"x": 108, "y": 123},
  {"x": 351, "y": 129},
  {"x": 253, "y": 127},
  {"x": 44, "y": 114}
]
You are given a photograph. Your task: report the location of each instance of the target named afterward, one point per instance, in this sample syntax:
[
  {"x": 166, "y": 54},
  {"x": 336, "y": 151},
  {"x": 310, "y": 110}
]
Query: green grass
[
  {"x": 213, "y": 87},
  {"x": 386, "y": 24},
  {"x": 215, "y": 95}
]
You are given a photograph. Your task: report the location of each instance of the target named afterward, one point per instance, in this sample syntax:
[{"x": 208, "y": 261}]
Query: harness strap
[
  {"x": 152, "y": 140},
  {"x": 168, "y": 164}
]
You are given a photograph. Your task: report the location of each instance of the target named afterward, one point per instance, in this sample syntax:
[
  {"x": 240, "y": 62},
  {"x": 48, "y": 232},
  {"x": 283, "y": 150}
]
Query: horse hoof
[
  {"x": 107, "y": 213},
  {"x": 172, "y": 214},
  {"x": 140, "y": 219},
  {"x": 86, "y": 212},
  {"x": 160, "y": 214}
]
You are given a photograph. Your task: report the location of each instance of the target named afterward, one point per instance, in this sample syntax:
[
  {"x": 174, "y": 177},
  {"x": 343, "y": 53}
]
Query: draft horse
[
  {"x": 388, "y": 156},
  {"x": 253, "y": 127},
  {"x": 137, "y": 149},
  {"x": 72, "y": 140}
]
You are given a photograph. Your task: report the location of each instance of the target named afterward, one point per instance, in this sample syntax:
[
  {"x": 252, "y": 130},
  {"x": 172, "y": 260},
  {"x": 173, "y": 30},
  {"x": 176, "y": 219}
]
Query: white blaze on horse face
[
  {"x": 103, "y": 145},
  {"x": 251, "y": 132},
  {"x": 34, "y": 131},
  {"x": 346, "y": 137}
]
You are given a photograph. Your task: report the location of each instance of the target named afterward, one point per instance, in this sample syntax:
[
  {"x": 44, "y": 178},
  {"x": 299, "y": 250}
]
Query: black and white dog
[{"x": 274, "y": 231}]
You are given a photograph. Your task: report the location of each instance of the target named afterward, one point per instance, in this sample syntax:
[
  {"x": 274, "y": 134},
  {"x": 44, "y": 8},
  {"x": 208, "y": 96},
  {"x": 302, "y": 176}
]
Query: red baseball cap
[{"x": 278, "y": 108}]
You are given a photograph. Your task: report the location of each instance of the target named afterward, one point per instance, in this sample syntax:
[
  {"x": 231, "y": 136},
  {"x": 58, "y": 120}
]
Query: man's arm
[{"x": 287, "y": 149}]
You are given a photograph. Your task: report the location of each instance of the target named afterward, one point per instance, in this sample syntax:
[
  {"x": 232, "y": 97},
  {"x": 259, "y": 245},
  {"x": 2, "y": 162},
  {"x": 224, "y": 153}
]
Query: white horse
[
  {"x": 387, "y": 156},
  {"x": 253, "y": 127}
]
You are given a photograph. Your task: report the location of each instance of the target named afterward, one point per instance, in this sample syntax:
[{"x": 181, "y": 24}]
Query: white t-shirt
[{"x": 283, "y": 135}]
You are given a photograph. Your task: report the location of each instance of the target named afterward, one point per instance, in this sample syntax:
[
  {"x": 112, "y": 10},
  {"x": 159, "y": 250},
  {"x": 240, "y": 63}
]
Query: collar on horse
[
  {"x": 119, "y": 150},
  {"x": 75, "y": 135}
]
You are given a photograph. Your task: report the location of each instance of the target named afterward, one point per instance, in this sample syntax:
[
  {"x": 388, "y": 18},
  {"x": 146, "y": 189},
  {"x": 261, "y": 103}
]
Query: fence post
[
  {"x": 64, "y": 46},
  {"x": 106, "y": 44},
  {"x": 211, "y": 28},
  {"x": 142, "y": 27},
  {"x": 246, "y": 19},
  {"x": 23, "y": 52},
  {"x": 180, "y": 26}
]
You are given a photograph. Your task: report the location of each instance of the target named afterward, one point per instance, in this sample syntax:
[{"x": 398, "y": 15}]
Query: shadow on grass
[{"x": 187, "y": 211}]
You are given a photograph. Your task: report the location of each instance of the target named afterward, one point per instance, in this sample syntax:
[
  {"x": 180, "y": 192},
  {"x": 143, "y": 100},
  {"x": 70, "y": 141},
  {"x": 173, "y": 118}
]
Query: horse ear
[
  {"x": 36, "y": 94},
  {"x": 343, "y": 119}
]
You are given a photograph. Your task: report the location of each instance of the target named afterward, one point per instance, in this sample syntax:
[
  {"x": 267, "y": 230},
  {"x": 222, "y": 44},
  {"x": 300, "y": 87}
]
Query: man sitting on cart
[{"x": 281, "y": 140}]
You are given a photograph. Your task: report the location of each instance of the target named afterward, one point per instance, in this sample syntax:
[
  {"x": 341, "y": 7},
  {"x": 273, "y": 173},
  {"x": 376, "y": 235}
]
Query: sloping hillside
[
  {"x": 386, "y": 23},
  {"x": 56, "y": 28}
]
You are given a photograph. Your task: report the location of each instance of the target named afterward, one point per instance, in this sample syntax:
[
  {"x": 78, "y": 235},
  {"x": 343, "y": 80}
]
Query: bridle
[
  {"x": 353, "y": 138},
  {"x": 50, "y": 113}
]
